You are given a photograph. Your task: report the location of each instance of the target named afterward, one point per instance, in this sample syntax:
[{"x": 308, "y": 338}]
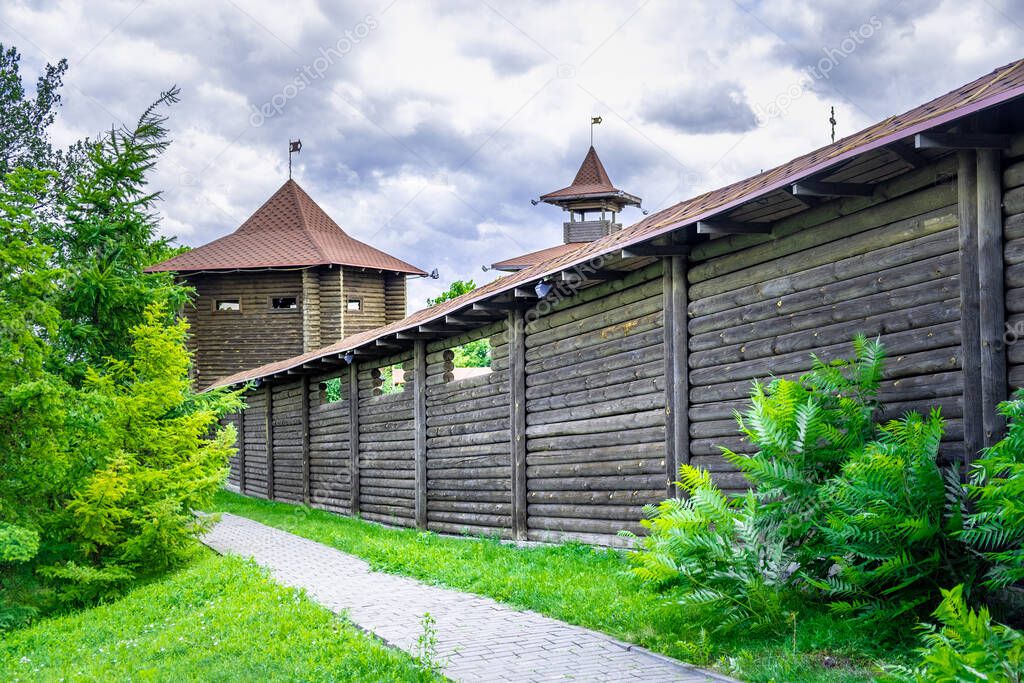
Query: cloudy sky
[{"x": 428, "y": 127}]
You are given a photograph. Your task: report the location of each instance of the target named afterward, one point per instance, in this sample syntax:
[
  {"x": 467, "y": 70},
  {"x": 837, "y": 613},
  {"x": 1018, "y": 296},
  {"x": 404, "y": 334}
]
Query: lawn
[
  {"x": 592, "y": 588},
  {"x": 218, "y": 619}
]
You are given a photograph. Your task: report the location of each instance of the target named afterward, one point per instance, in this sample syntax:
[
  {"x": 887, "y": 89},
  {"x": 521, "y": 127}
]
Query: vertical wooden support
[
  {"x": 304, "y": 417},
  {"x": 241, "y": 451},
  {"x": 991, "y": 293},
  {"x": 970, "y": 341},
  {"x": 270, "y": 440},
  {"x": 353, "y": 437},
  {"x": 517, "y": 419},
  {"x": 677, "y": 347},
  {"x": 419, "y": 415}
]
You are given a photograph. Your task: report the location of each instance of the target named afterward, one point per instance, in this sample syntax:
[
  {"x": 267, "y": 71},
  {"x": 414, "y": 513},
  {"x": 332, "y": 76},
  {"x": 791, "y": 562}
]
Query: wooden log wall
[
  {"x": 887, "y": 266},
  {"x": 235, "y": 463},
  {"x": 467, "y": 436},
  {"x": 591, "y": 385},
  {"x": 1013, "y": 256},
  {"x": 595, "y": 411},
  {"x": 386, "y": 442},
  {"x": 368, "y": 287}
]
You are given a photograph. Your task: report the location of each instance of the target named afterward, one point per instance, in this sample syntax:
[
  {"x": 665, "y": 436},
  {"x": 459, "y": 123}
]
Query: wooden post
[
  {"x": 270, "y": 440},
  {"x": 970, "y": 341},
  {"x": 419, "y": 413},
  {"x": 304, "y": 417},
  {"x": 241, "y": 451},
  {"x": 517, "y": 419},
  {"x": 991, "y": 293},
  {"x": 353, "y": 438},
  {"x": 677, "y": 419}
]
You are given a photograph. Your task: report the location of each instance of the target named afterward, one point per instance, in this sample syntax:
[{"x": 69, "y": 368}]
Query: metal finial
[
  {"x": 832, "y": 120},
  {"x": 594, "y": 120}
]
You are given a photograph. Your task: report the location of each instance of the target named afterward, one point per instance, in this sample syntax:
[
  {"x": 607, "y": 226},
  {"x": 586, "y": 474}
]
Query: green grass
[
  {"x": 218, "y": 619},
  {"x": 592, "y": 588}
]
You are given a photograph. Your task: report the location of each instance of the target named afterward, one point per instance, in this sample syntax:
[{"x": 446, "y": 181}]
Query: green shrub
[
  {"x": 968, "y": 646},
  {"x": 708, "y": 546},
  {"x": 804, "y": 432},
  {"x": 885, "y": 521},
  {"x": 995, "y": 527}
]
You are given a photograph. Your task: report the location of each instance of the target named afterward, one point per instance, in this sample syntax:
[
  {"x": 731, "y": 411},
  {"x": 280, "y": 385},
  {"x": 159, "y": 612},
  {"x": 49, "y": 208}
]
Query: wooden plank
[
  {"x": 304, "y": 417},
  {"x": 241, "y": 451},
  {"x": 671, "y": 316},
  {"x": 961, "y": 141},
  {"x": 517, "y": 424},
  {"x": 353, "y": 438},
  {"x": 992, "y": 305},
  {"x": 722, "y": 226},
  {"x": 970, "y": 341},
  {"x": 812, "y": 188},
  {"x": 419, "y": 410},
  {"x": 678, "y": 382},
  {"x": 269, "y": 413}
]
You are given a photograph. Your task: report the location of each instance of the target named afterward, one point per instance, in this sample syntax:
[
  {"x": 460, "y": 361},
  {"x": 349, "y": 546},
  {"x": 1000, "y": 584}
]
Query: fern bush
[
  {"x": 804, "y": 432},
  {"x": 995, "y": 528},
  {"x": 708, "y": 546},
  {"x": 968, "y": 646},
  {"x": 886, "y": 522}
]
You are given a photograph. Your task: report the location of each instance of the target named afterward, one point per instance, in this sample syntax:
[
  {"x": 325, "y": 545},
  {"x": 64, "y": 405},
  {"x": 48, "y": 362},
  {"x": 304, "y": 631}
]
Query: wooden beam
[
  {"x": 970, "y": 342},
  {"x": 657, "y": 250},
  {"x": 419, "y": 414},
  {"x": 241, "y": 451},
  {"x": 304, "y": 418},
  {"x": 436, "y": 331},
  {"x": 814, "y": 188},
  {"x": 460, "y": 321},
  {"x": 383, "y": 343},
  {"x": 590, "y": 275},
  {"x": 353, "y": 438},
  {"x": 908, "y": 154},
  {"x": 677, "y": 417},
  {"x": 722, "y": 226},
  {"x": 410, "y": 335},
  {"x": 991, "y": 293},
  {"x": 517, "y": 419},
  {"x": 525, "y": 293},
  {"x": 499, "y": 305},
  {"x": 809, "y": 202},
  {"x": 269, "y": 407},
  {"x": 961, "y": 141}
]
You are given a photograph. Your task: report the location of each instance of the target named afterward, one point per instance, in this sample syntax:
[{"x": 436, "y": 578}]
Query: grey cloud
[{"x": 702, "y": 108}]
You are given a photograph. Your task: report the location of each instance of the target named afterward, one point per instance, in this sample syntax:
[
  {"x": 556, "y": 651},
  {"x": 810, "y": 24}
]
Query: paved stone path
[{"x": 478, "y": 639}]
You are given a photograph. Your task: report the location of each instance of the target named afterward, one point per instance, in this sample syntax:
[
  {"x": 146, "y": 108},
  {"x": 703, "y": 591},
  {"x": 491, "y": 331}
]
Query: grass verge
[
  {"x": 592, "y": 588},
  {"x": 218, "y": 619}
]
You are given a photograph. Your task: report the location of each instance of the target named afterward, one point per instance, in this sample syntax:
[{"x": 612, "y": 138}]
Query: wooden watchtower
[{"x": 289, "y": 280}]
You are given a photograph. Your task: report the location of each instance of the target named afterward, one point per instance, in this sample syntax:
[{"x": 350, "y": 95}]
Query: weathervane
[
  {"x": 294, "y": 147},
  {"x": 594, "y": 120},
  {"x": 832, "y": 120}
]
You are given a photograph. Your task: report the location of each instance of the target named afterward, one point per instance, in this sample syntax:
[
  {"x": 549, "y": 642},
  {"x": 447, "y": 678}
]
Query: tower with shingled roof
[
  {"x": 593, "y": 204},
  {"x": 287, "y": 281}
]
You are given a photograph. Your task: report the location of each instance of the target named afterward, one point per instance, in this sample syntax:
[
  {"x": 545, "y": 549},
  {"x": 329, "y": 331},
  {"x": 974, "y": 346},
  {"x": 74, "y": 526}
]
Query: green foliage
[
  {"x": 217, "y": 619},
  {"x": 995, "y": 528},
  {"x": 804, "y": 432},
  {"x": 456, "y": 289},
  {"x": 107, "y": 236},
  {"x": 968, "y": 646},
  {"x": 475, "y": 354},
  {"x": 332, "y": 389},
  {"x": 885, "y": 520},
  {"x": 709, "y": 546}
]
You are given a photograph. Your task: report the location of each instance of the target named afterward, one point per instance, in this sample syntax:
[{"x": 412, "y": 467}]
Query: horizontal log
[{"x": 598, "y": 425}]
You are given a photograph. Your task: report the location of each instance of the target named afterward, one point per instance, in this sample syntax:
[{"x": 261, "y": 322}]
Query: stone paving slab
[{"x": 478, "y": 639}]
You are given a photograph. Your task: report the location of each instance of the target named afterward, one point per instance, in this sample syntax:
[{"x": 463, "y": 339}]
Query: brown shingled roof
[
  {"x": 535, "y": 257},
  {"x": 290, "y": 229},
  {"x": 591, "y": 179},
  {"x": 1003, "y": 84}
]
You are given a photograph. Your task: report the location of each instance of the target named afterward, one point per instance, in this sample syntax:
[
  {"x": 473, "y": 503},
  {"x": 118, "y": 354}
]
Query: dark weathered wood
[
  {"x": 420, "y": 428},
  {"x": 722, "y": 226},
  {"x": 970, "y": 340},
  {"x": 353, "y": 438},
  {"x": 304, "y": 417},
  {"x": 517, "y": 420},
  {"x": 961, "y": 141},
  {"x": 241, "y": 451},
  {"x": 269, "y": 412},
  {"x": 811, "y": 188},
  {"x": 676, "y": 352},
  {"x": 992, "y": 311}
]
